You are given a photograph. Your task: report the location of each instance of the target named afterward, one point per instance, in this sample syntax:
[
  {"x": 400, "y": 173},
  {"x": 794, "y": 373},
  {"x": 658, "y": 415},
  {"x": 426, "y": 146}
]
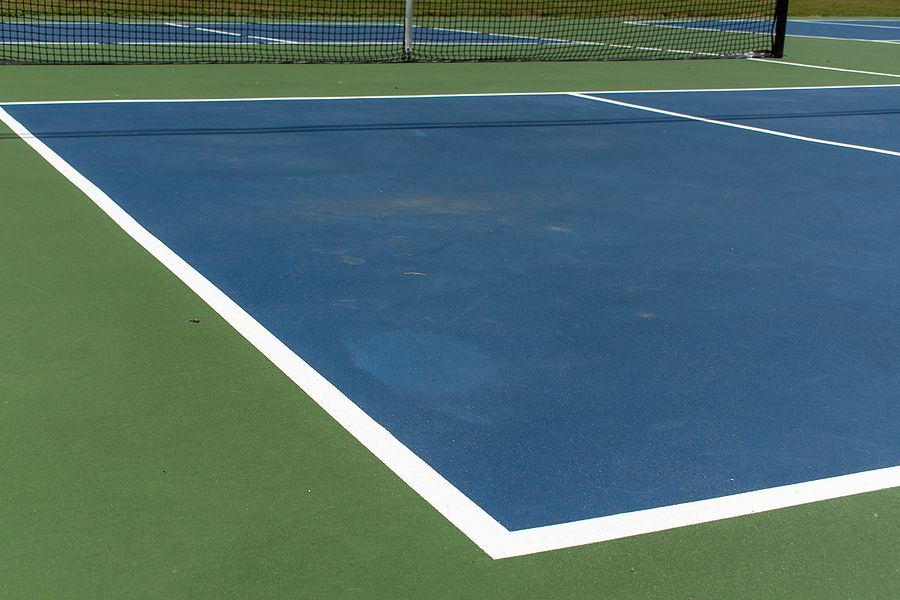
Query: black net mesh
[{"x": 192, "y": 31}]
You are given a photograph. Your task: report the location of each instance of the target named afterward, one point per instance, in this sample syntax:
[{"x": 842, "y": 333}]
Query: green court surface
[{"x": 148, "y": 456}]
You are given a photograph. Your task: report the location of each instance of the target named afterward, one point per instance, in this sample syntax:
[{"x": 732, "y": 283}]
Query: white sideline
[
  {"x": 464, "y": 95},
  {"x": 850, "y": 24},
  {"x": 774, "y": 132},
  {"x": 428, "y": 483},
  {"x": 778, "y": 61}
]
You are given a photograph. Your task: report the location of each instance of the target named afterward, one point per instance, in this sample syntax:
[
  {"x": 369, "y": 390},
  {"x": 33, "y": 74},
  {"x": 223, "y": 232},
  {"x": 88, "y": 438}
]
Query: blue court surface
[
  {"x": 244, "y": 33},
  {"x": 874, "y": 31},
  {"x": 870, "y": 31},
  {"x": 228, "y": 33},
  {"x": 568, "y": 308}
]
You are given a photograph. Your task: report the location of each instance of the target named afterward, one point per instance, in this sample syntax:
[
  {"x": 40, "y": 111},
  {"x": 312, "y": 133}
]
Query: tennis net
[{"x": 212, "y": 31}]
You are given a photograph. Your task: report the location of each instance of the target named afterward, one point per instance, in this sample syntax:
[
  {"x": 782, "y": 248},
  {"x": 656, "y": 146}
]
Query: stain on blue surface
[
  {"x": 633, "y": 310},
  {"x": 424, "y": 363}
]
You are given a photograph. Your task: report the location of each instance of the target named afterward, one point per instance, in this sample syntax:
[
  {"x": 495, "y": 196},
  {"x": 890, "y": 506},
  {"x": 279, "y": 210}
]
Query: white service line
[
  {"x": 778, "y": 61},
  {"x": 463, "y": 95},
  {"x": 204, "y": 29},
  {"x": 270, "y": 39},
  {"x": 858, "y": 86},
  {"x": 693, "y": 28},
  {"x": 774, "y": 132},
  {"x": 576, "y": 533},
  {"x": 470, "y": 32},
  {"x": 559, "y": 41},
  {"x": 845, "y": 24},
  {"x": 218, "y": 31},
  {"x": 842, "y": 39}
]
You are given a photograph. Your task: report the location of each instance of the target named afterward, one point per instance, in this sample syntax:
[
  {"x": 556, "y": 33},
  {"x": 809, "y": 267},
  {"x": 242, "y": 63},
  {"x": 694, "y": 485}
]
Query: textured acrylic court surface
[
  {"x": 882, "y": 30},
  {"x": 875, "y": 30},
  {"x": 241, "y": 33},
  {"x": 569, "y": 309}
]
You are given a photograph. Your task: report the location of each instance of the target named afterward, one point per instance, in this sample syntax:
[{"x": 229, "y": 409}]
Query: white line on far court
[
  {"x": 843, "y": 39},
  {"x": 464, "y": 95},
  {"x": 218, "y": 31},
  {"x": 847, "y": 24},
  {"x": 775, "y": 61},
  {"x": 774, "y": 132},
  {"x": 271, "y": 39}
]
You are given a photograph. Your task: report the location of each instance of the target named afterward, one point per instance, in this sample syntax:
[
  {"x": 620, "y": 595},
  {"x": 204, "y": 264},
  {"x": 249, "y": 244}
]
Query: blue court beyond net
[{"x": 246, "y": 33}]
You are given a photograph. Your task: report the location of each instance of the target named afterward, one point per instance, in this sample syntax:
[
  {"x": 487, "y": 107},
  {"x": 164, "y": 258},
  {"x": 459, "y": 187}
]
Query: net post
[
  {"x": 781, "y": 16},
  {"x": 408, "y": 29}
]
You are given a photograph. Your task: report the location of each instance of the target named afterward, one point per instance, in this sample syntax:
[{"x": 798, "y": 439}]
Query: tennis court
[
  {"x": 478, "y": 330},
  {"x": 219, "y": 33},
  {"x": 244, "y": 33},
  {"x": 882, "y": 30}
]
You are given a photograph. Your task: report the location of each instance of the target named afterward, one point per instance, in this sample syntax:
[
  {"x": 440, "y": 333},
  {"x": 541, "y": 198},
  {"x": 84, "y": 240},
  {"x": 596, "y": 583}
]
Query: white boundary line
[
  {"x": 554, "y": 537},
  {"x": 673, "y": 24},
  {"x": 483, "y": 529},
  {"x": 469, "y": 95},
  {"x": 841, "y": 39},
  {"x": 271, "y": 39},
  {"x": 861, "y": 86},
  {"x": 843, "y": 24},
  {"x": 774, "y": 61},
  {"x": 492, "y": 537},
  {"x": 856, "y": 24},
  {"x": 218, "y": 32},
  {"x": 774, "y": 132}
]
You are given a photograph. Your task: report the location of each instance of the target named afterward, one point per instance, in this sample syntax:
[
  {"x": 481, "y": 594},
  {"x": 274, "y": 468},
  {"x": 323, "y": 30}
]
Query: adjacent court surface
[
  {"x": 244, "y": 33},
  {"x": 882, "y": 30},
  {"x": 234, "y": 32},
  {"x": 550, "y": 318}
]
